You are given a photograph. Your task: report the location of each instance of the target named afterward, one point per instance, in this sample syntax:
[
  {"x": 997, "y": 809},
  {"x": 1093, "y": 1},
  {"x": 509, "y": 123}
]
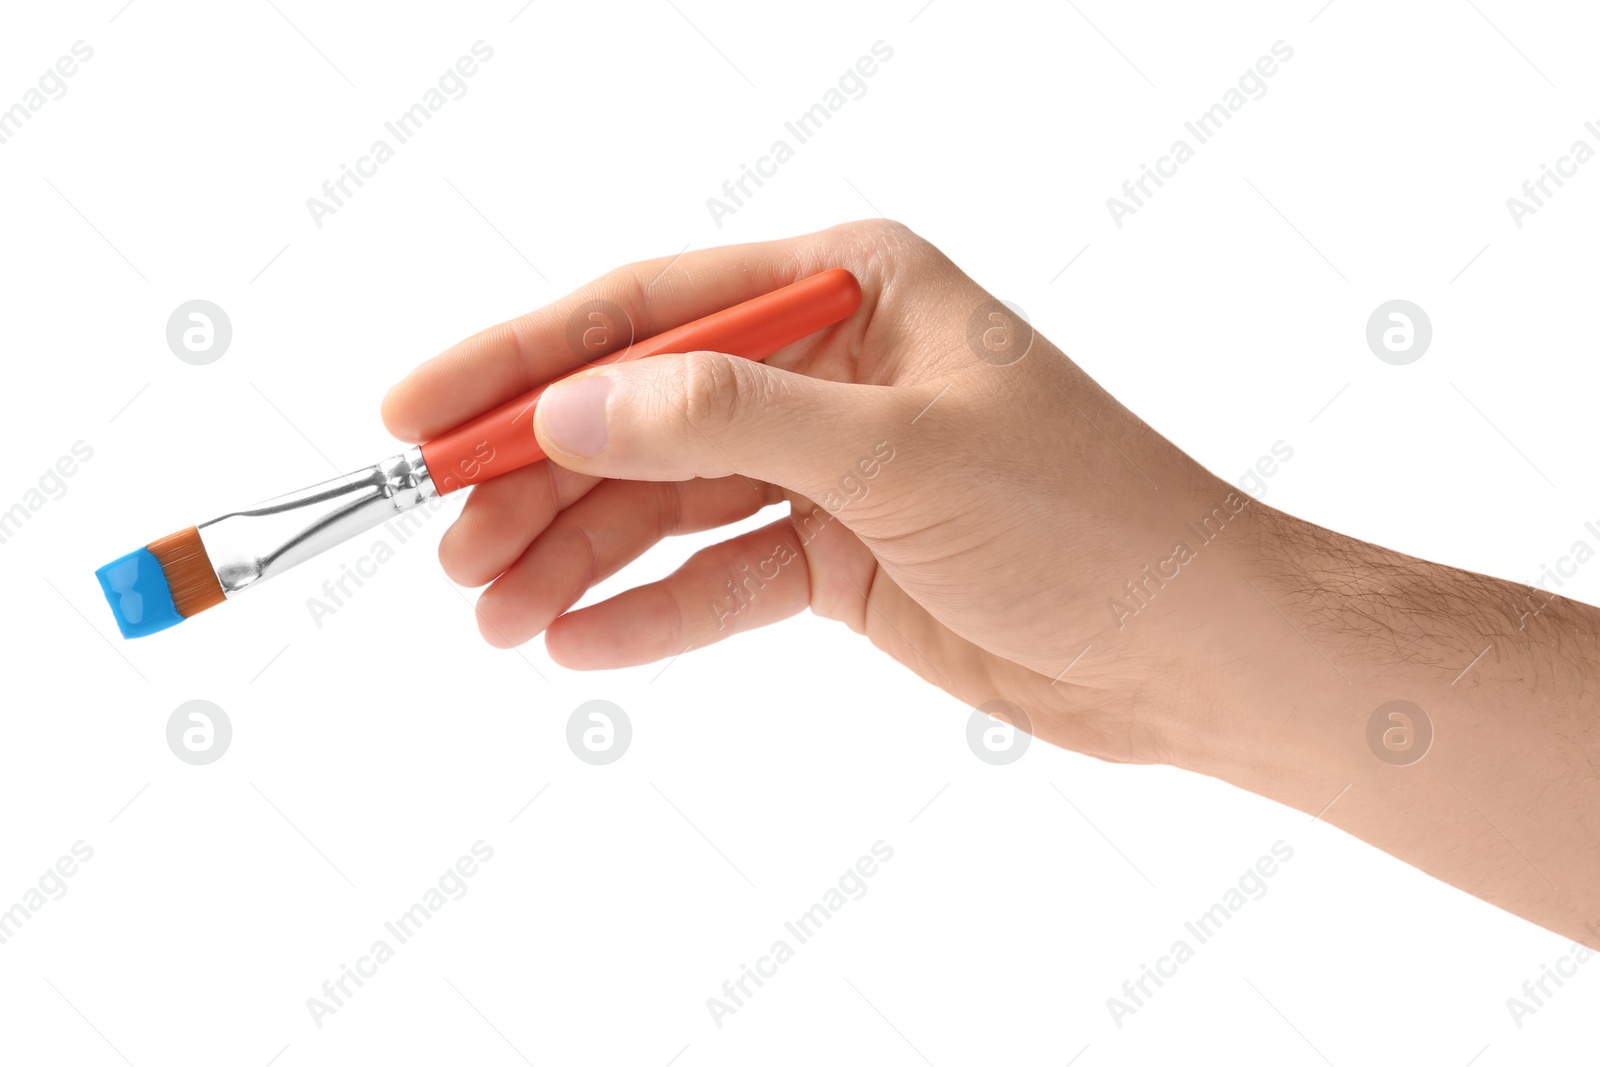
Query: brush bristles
[{"x": 188, "y": 570}]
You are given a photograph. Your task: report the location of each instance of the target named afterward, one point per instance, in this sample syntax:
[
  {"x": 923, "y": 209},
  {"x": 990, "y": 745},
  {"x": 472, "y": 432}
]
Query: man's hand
[{"x": 965, "y": 496}]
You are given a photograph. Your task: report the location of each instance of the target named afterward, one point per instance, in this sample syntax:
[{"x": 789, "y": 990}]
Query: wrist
[
  {"x": 1442, "y": 716},
  {"x": 1264, "y": 698},
  {"x": 1293, "y": 636}
]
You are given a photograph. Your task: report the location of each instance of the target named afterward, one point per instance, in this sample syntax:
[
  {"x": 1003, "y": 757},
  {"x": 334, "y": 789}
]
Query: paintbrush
[{"x": 179, "y": 576}]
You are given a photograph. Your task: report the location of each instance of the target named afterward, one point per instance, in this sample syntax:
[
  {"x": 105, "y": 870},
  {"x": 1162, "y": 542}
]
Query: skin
[{"x": 1017, "y": 503}]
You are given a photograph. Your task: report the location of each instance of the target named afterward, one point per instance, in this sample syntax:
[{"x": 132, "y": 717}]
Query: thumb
[{"x": 709, "y": 415}]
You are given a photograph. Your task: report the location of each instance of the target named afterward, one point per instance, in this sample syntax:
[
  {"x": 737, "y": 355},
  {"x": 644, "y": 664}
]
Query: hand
[{"x": 959, "y": 491}]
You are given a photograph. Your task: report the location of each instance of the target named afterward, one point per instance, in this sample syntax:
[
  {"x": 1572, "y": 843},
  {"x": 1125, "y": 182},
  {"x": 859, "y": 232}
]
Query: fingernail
[{"x": 574, "y": 415}]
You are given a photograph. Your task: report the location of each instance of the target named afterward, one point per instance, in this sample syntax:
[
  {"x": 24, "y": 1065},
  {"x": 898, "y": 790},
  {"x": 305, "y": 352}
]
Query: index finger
[{"x": 505, "y": 361}]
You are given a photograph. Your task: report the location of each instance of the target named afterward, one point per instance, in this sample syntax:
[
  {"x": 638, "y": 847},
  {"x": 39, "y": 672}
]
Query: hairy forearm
[{"x": 1448, "y": 718}]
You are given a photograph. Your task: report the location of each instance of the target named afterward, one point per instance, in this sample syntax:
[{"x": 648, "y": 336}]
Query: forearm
[{"x": 1503, "y": 801}]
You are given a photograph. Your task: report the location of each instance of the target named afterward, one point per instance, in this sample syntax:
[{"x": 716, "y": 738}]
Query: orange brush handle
[{"x": 502, "y": 440}]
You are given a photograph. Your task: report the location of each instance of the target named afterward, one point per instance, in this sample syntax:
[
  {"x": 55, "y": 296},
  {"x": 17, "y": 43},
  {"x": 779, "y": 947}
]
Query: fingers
[
  {"x": 502, "y": 517},
  {"x": 709, "y": 415},
  {"x": 752, "y": 580},
  {"x": 612, "y": 525},
  {"x": 507, "y": 360}
]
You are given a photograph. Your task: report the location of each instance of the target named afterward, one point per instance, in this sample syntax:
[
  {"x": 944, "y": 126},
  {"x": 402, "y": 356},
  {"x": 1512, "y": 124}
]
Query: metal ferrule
[{"x": 246, "y": 547}]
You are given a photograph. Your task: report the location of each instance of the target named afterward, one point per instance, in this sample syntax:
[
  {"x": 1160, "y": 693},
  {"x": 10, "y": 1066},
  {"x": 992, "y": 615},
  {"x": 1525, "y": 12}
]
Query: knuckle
[
  {"x": 712, "y": 393},
  {"x": 884, "y": 233},
  {"x": 885, "y": 248}
]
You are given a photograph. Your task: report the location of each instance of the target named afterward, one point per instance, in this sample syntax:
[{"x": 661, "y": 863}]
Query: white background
[{"x": 372, "y": 751}]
